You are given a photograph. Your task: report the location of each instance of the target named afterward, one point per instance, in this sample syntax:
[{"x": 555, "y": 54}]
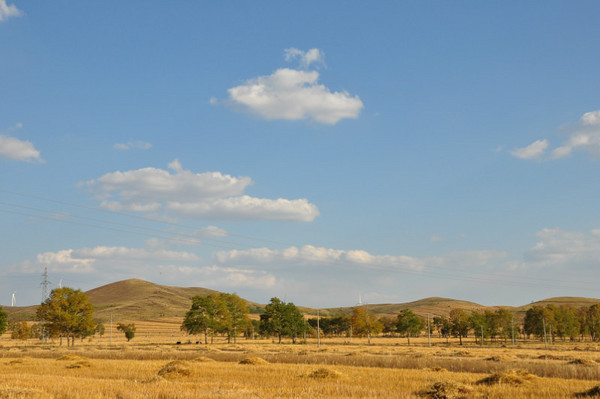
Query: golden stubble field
[{"x": 153, "y": 366}]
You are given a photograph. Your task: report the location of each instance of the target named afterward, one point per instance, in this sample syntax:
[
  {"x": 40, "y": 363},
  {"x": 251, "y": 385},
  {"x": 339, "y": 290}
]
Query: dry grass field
[
  {"x": 153, "y": 366},
  {"x": 162, "y": 362}
]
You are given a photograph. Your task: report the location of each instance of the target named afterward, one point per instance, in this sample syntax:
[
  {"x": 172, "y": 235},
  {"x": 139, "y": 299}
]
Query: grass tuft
[
  {"x": 447, "y": 390},
  {"x": 253, "y": 361},
  {"x": 512, "y": 377},
  {"x": 325, "y": 373},
  {"x": 583, "y": 362},
  {"x": 80, "y": 364},
  {"x": 175, "y": 369},
  {"x": 590, "y": 393}
]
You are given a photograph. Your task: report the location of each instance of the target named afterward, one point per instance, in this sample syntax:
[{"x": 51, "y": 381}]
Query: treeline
[
  {"x": 564, "y": 322},
  {"x": 226, "y": 314}
]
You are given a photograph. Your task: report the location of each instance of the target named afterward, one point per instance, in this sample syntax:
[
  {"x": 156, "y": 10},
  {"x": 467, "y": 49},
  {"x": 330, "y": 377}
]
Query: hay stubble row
[{"x": 266, "y": 370}]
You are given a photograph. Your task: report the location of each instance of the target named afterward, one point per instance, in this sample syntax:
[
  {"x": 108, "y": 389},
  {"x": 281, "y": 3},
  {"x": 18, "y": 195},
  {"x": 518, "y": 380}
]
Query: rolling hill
[{"x": 138, "y": 300}]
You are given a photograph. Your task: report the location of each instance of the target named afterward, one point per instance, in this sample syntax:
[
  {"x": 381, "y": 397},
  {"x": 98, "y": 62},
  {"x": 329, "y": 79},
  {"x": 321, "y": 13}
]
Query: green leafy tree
[
  {"x": 592, "y": 321},
  {"x": 442, "y": 325},
  {"x": 3, "y": 322},
  {"x": 67, "y": 312},
  {"x": 127, "y": 329},
  {"x": 389, "y": 325},
  {"x": 479, "y": 322},
  {"x": 364, "y": 323},
  {"x": 282, "y": 319},
  {"x": 459, "y": 323},
  {"x": 538, "y": 318},
  {"x": 100, "y": 329},
  {"x": 204, "y": 316},
  {"x": 567, "y": 323},
  {"x": 234, "y": 318},
  {"x": 503, "y": 322},
  {"x": 334, "y": 326},
  {"x": 408, "y": 323}
]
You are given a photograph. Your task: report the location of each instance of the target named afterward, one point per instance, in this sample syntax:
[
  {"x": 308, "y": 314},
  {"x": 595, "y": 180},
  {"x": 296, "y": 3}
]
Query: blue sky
[{"x": 317, "y": 151}]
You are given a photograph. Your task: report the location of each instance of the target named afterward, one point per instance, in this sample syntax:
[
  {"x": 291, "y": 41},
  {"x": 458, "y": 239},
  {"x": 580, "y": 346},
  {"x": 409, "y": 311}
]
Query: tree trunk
[{"x": 205, "y": 337}]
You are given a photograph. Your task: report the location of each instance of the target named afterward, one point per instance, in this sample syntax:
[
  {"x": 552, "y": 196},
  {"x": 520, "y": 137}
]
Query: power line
[
  {"x": 128, "y": 215},
  {"x": 437, "y": 271}
]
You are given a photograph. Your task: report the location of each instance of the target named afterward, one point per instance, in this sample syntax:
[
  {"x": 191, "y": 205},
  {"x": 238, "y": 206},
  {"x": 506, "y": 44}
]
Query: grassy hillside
[
  {"x": 142, "y": 300},
  {"x": 434, "y": 306}
]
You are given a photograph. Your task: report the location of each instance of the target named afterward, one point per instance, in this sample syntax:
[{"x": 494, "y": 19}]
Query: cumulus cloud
[
  {"x": 292, "y": 94},
  {"x": 18, "y": 150},
  {"x": 306, "y": 58},
  {"x": 564, "y": 249},
  {"x": 105, "y": 258},
  {"x": 140, "y": 145},
  {"x": 585, "y": 135},
  {"x": 216, "y": 276},
  {"x": 248, "y": 208},
  {"x": 208, "y": 195},
  {"x": 311, "y": 255},
  {"x": 533, "y": 151},
  {"x": 65, "y": 261},
  {"x": 8, "y": 10}
]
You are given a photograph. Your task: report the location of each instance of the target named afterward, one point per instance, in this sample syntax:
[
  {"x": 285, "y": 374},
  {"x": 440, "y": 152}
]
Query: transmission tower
[
  {"x": 45, "y": 284},
  {"x": 45, "y": 294}
]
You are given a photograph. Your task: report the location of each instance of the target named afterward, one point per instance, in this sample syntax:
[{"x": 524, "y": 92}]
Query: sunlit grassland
[{"x": 337, "y": 369}]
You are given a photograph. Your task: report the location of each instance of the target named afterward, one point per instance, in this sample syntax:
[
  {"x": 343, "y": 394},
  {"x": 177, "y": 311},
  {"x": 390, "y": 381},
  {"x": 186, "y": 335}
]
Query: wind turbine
[
  {"x": 13, "y": 300},
  {"x": 60, "y": 283}
]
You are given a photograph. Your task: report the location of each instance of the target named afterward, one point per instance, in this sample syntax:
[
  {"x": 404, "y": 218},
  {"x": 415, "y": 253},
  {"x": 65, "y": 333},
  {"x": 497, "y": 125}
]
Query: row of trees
[
  {"x": 563, "y": 321},
  {"x": 226, "y": 313},
  {"x": 217, "y": 313},
  {"x": 68, "y": 313},
  {"x": 65, "y": 313}
]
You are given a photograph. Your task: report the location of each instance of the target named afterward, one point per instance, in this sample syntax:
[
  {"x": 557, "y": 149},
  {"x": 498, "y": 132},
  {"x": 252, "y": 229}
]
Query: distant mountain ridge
[{"x": 136, "y": 299}]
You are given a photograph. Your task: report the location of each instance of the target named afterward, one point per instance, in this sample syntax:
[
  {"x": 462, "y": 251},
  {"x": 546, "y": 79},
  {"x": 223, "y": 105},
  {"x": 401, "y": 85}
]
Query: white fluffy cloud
[
  {"x": 8, "y": 10},
  {"x": 585, "y": 135},
  {"x": 564, "y": 249},
  {"x": 312, "y": 56},
  {"x": 215, "y": 276},
  {"x": 309, "y": 254},
  {"x": 102, "y": 262},
  {"x": 104, "y": 258},
  {"x": 18, "y": 150},
  {"x": 208, "y": 195},
  {"x": 533, "y": 151},
  {"x": 293, "y": 94}
]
